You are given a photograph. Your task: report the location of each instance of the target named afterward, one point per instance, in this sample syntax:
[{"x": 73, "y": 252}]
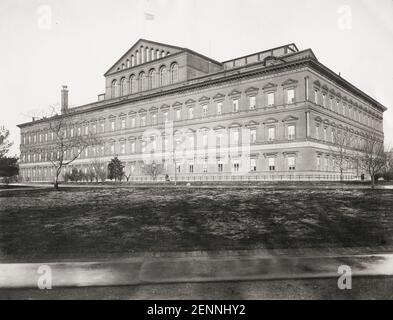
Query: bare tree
[
  {"x": 342, "y": 148},
  {"x": 4, "y": 143},
  {"x": 153, "y": 169},
  {"x": 99, "y": 169},
  {"x": 372, "y": 156},
  {"x": 66, "y": 148}
]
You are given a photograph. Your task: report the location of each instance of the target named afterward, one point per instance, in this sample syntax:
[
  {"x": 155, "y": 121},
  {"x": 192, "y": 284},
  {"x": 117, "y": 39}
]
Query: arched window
[
  {"x": 162, "y": 54},
  {"x": 152, "y": 79},
  {"x": 114, "y": 89},
  {"x": 158, "y": 54},
  {"x": 132, "y": 61},
  {"x": 174, "y": 73},
  {"x": 123, "y": 87},
  {"x": 147, "y": 53},
  {"x": 152, "y": 51},
  {"x": 133, "y": 86},
  {"x": 138, "y": 57},
  {"x": 128, "y": 63},
  {"x": 163, "y": 76},
  {"x": 142, "y": 81},
  {"x": 143, "y": 55}
]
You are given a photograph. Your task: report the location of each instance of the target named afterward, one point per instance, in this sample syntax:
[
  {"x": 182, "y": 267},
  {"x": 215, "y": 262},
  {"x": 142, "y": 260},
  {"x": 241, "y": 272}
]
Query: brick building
[{"x": 268, "y": 115}]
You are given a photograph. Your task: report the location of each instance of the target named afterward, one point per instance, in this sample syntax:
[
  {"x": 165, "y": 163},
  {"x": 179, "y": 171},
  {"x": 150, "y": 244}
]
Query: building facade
[{"x": 271, "y": 115}]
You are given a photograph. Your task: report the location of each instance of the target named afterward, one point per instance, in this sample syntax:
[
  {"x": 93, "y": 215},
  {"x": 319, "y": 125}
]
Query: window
[
  {"x": 152, "y": 79},
  {"x": 142, "y": 81},
  {"x": 191, "y": 167},
  {"x": 163, "y": 76},
  {"x": 290, "y": 96},
  {"x": 317, "y": 132},
  {"x": 133, "y": 86},
  {"x": 219, "y": 139},
  {"x": 102, "y": 126},
  {"x": 291, "y": 163},
  {"x": 191, "y": 113},
  {"x": 79, "y": 132},
  {"x": 253, "y": 135},
  {"x": 132, "y": 146},
  {"x": 324, "y": 100},
  {"x": 204, "y": 110},
  {"x": 71, "y": 133},
  {"x": 204, "y": 139},
  {"x": 325, "y": 134},
  {"x": 178, "y": 114},
  {"x": 112, "y": 148},
  {"x": 133, "y": 122},
  {"x": 253, "y": 164},
  {"x": 143, "y": 121},
  {"x": 143, "y": 146},
  {"x": 271, "y": 133},
  {"x": 114, "y": 89},
  {"x": 252, "y": 103},
  {"x": 220, "y": 167},
  {"x": 94, "y": 128},
  {"x": 291, "y": 132},
  {"x": 236, "y": 165},
  {"x": 235, "y": 104},
  {"x": 235, "y": 136},
  {"x": 123, "y": 87},
  {"x": 270, "y": 99},
  {"x": 166, "y": 117},
  {"x": 191, "y": 142},
  {"x": 174, "y": 73},
  {"x": 123, "y": 123},
  {"x": 272, "y": 164},
  {"x": 86, "y": 130},
  {"x": 154, "y": 118},
  {"x": 219, "y": 108},
  {"x": 113, "y": 127}
]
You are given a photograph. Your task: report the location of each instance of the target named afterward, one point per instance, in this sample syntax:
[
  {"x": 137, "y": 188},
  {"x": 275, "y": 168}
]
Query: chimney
[{"x": 64, "y": 100}]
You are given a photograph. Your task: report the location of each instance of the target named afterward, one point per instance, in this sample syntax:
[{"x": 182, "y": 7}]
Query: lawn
[{"x": 78, "y": 223}]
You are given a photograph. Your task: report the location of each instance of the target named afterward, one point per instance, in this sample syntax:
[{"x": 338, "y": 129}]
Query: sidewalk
[{"x": 198, "y": 268}]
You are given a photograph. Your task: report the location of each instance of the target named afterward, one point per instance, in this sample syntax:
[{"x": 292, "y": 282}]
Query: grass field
[{"x": 81, "y": 222}]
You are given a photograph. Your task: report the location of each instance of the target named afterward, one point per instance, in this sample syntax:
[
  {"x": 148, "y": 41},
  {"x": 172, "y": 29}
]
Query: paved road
[{"x": 362, "y": 288}]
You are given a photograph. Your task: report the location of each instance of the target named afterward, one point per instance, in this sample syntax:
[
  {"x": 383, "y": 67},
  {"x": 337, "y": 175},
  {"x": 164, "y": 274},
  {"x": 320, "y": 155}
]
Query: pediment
[
  {"x": 234, "y": 93},
  {"x": 235, "y": 125},
  {"x": 270, "y": 85},
  {"x": 142, "y": 111},
  {"x": 252, "y": 90},
  {"x": 219, "y": 96},
  {"x": 289, "y": 82},
  {"x": 177, "y": 104},
  {"x": 317, "y": 83},
  {"x": 125, "y": 61},
  {"x": 164, "y": 106},
  {"x": 204, "y": 99},
  {"x": 290, "y": 118},
  {"x": 219, "y": 128},
  {"x": 190, "y": 101},
  {"x": 252, "y": 123},
  {"x": 271, "y": 120}
]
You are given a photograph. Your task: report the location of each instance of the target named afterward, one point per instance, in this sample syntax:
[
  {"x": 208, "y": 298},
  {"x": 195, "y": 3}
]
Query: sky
[{"x": 47, "y": 44}]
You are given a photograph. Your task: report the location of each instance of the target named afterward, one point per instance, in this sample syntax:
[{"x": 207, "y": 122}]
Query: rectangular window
[
  {"x": 318, "y": 163},
  {"x": 204, "y": 167},
  {"x": 178, "y": 114},
  {"x": 317, "y": 132},
  {"x": 154, "y": 119},
  {"x": 291, "y": 132},
  {"x": 122, "y": 147},
  {"x": 133, "y": 122},
  {"x": 102, "y": 126},
  {"x": 219, "y": 108},
  {"x": 166, "y": 118},
  {"x": 236, "y": 166},
  {"x": 204, "y": 110},
  {"x": 204, "y": 140},
  {"x": 316, "y": 96},
  {"x": 86, "y": 130},
  {"x": 113, "y": 125},
  {"x": 236, "y": 137},
  {"x": 191, "y": 167},
  {"x": 112, "y": 148},
  {"x": 123, "y": 123},
  {"x": 271, "y": 133},
  {"x": 253, "y": 135},
  {"x": 219, "y": 139},
  {"x": 220, "y": 167},
  {"x": 290, "y": 96},
  {"x": 270, "y": 99},
  {"x": 253, "y": 165},
  {"x": 190, "y": 113},
  {"x": 133, "y": 147},
  {"x": 143, "y": 146},
  {"x": 78, "y": 132},
  {"x": 94, "y": 128},
  {"x": 291, "y": 163},
  {"x": 325, "y": 134},
  {"x": 252, "y": 103},
  {"x": 143, "y": 121},
  {"x": 272, "y": 164},
  {"x": 324, "y": 100},
  {"x": 235, "y": 105}
]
